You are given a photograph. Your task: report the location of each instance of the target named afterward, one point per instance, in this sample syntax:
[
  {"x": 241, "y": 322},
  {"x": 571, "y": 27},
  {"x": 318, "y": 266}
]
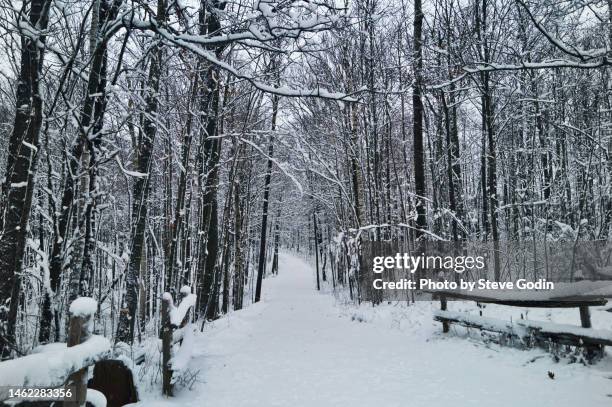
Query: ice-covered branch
[
  {"x": 549, "y": 64},
  {"x": 583, "y": 55}
]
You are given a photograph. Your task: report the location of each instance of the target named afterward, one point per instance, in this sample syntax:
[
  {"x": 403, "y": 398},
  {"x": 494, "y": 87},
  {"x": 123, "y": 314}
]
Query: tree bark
[
  {"x": 417, "y": 117},
  {"x": 316, "y": 247},
  {"x": 127, "y": 317},
  {"x": 277, "y": 236},
  {"x": 261, "y": 269},
  {"x": 92, "y": 116},
  {"x": 179, "y": 222},
  {"x": 208, "y": 168},
  {"x": 18, "y": 186},
  {"x": 238, "y": 284}
]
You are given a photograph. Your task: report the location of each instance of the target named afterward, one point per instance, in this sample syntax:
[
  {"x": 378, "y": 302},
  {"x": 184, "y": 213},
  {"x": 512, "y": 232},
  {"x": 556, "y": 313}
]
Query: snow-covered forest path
[{"x": 297, "y": 349}]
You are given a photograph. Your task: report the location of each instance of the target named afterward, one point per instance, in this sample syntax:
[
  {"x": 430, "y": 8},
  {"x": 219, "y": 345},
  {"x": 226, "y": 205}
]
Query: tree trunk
[
  {"x": 208, "y": 168},
  {"x": 18, "y": 187},
  {"x": 91, "y": 121},
  {"x": 261, "y": 269},
  {"x": 92, "y": 116},
  {"x": 488, "y": 111},
  {"x": 127, "y": 317},
  {"x": 208, "y": 205},
  {"x": 179, "y": 222},
  {"x": 316, "y": 247},
  {"x": 277, "y": 236},
  {"x": 417, "y": 116},
  {"x": 238, "y": 284}
]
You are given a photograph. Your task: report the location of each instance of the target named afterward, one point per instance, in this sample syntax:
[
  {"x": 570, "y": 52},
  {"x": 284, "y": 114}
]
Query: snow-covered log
[
  {"x": 567, "y": 334},
  {"x": 525, "y": 329},
  {"x": 484, "y": 323}
]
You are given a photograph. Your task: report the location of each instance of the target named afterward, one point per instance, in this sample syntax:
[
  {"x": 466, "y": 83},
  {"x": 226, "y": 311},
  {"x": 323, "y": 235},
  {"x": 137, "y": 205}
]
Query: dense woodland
[{"x": 151, "y": 145}]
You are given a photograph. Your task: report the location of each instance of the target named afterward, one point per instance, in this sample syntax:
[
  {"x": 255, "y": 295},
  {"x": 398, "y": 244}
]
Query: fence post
[
  {"x": 585, "y": 316},
  {"x": 592, "y": 351},
  {"x": 81, "y": 312},
  {"x": 166, "y": 345},
  {"x": 443, "y": 307}
]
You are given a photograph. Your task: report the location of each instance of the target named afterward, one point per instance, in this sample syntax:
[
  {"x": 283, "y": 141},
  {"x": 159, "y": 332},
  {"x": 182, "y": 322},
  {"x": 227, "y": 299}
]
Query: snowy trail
[{"x": 297, "y": 349}]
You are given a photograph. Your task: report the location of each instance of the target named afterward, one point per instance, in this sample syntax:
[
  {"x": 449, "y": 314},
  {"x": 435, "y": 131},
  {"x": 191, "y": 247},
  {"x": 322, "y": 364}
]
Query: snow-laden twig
[
  {"x": 279, "y": 165},
  {"x": 284, "y": 91},
  {"x": 568, "y": 49},
  {"x": 401, "y": 225},
  {"x": 129, "y": 173}
]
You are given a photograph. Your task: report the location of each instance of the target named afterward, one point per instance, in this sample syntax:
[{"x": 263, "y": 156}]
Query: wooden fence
[
  {"x": 61, "y": 368},
  {"x": 175, "y": 322},
  {"x": 540, "y": 333},
  {"x": 67, "y": 368}
]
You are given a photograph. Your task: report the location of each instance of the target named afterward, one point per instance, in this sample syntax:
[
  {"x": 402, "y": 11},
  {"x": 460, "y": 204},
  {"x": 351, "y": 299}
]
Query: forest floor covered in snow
[{"x": 303, "y": 348}]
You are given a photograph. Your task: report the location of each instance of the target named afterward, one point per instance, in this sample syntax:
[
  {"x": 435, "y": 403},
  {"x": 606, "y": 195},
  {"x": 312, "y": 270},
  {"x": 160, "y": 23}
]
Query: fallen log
[{"x": 525, "y": 329}]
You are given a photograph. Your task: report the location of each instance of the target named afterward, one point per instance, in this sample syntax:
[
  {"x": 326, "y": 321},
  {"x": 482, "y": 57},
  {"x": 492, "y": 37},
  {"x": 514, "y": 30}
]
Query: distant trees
[{"x": 509, "y": 113}]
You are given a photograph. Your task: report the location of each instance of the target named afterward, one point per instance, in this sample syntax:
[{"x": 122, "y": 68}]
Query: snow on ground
[
  {"x": 96, "y": 398},
  {"x": 302, "y": 348}
]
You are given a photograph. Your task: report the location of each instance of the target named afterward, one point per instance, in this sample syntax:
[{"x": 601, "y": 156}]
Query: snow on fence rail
[
  {"x": 56, "y": 365},
  {"x": 565, "y": 295},
  {"x": 178, "y": 314},
  {"x": 175, "y": 328}
]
